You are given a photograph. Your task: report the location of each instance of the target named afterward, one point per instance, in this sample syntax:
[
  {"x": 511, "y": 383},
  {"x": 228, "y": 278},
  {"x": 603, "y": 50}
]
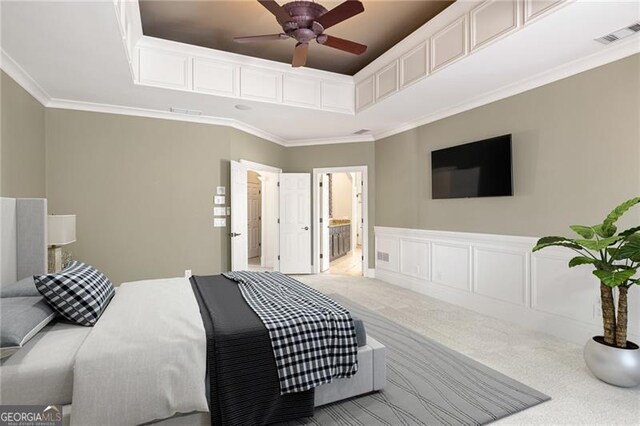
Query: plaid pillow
[{"x": 80, "y": 293}]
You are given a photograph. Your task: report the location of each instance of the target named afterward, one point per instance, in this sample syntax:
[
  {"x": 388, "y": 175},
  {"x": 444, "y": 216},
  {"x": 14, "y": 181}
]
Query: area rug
[{"x": 427, "y": 384}]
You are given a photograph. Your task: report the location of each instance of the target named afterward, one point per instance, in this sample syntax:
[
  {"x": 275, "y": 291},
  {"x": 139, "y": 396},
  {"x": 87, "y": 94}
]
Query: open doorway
[
  {"x": 262, "y": 219},
  {"x": 340, "y": 240}
]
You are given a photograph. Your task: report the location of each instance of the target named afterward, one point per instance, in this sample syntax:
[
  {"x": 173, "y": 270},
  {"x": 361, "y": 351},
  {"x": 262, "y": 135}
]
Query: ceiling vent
[
  {"x": 185, "y": 111},
  {"x": 620, "y": 34},
  {"x": 361, "y": 132}
]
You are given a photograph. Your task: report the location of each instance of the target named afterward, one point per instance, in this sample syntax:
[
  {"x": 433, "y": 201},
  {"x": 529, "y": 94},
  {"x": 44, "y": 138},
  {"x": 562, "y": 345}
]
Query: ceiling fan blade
[
  {"x": 281, "y": 15},
  {"x": 300, "y": 55},
  {"x": 342, "y": 44},
  {"x": 340, "y": 13},
  {"x": 268, "y": 37}
]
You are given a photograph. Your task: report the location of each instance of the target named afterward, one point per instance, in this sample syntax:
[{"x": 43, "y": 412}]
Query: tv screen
[{"x": 477, "y": 169}]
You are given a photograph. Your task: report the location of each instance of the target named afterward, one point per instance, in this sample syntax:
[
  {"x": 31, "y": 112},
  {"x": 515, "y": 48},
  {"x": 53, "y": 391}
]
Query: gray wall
[
  {"x": 576, "y": 147},
  {"x": 305, "y": 159},
  {"x": 22, "y": 142},
  {"x": 143, "y": 190}
]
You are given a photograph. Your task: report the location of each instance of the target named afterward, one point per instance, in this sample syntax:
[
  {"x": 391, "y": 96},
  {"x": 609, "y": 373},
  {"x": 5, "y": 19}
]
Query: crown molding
[
  {"x": 20, "y": 76},
  {"x": 330, "y": 141},
  {"x": 164, "y": 115},
  {"x": 607, "y": 55}
]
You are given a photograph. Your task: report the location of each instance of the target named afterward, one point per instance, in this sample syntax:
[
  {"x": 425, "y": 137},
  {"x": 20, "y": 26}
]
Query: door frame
[
  {"x": 316, "y": 213},
  {"x": 259, "y": 167}
]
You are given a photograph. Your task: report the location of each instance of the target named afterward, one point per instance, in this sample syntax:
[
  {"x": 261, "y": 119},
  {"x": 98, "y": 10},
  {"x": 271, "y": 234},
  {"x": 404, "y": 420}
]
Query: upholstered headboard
[{"x": 23, "y": 238}]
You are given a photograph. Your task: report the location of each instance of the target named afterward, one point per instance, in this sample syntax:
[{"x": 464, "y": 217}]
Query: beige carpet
[{"x": 543, "y": 362}]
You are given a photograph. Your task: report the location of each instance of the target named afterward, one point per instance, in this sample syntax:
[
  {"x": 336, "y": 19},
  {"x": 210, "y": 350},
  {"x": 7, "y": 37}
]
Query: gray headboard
[{"x": 23, "y": 238}]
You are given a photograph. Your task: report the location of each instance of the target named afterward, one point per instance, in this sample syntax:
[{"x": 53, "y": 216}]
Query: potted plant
[{"x": 615, "y": 258}]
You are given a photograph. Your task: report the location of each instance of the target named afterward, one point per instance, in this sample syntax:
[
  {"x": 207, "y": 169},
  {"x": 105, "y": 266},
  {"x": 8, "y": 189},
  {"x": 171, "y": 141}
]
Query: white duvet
[{"x": 145, "y": 359}]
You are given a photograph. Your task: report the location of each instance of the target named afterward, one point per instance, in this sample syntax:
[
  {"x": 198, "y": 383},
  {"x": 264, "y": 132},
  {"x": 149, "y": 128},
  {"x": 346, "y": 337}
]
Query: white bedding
[{"x": 145, "y": 359}]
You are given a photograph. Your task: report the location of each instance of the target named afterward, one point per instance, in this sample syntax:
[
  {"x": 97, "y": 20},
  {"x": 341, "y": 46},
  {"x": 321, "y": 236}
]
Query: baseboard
[{"x": 370, "y": 273}]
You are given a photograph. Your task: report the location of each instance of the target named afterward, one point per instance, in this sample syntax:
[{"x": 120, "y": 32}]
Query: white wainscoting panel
[
  {"x": 415, "y": 258},
  {"x": 493, "y": 19},
  {"x": 534, "y": 9},
  {"x": 387, "y": 253},
  {"x": 451, "y": 265},
  {"x": 449, "y": 44},
  {"x": 262, "y": 85},
  {"x": 164, "y": 69},
  {"x": 300, "y": 91},
  {"x": 337, "y": 97},
  {"x": 215, "y": 77},
  {"x": 365, "y": 93},
  {"x": 497, "y": 275},
  {"x": 501, "y": 274},
  {"x": 387, "y": 81},
  {"x": 570, "y": 293},
  {"x": 414, "y": 65}
]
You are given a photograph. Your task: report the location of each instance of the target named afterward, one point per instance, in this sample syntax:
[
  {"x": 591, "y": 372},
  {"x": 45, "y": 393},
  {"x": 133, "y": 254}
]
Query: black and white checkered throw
[{"x": 313, "y": 337}]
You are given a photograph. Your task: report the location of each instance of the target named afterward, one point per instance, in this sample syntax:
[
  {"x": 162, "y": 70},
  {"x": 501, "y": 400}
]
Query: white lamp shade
[{"x": 62, "y": 229}]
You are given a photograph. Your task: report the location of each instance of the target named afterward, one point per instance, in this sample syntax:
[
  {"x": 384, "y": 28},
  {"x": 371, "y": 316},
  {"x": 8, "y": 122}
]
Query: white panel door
[
  {"x": 239, "y": 245},
  {"x": 253, "y": 221},
  {"x": 325, "y": 263},
  {"x": 295, "y": 223}
]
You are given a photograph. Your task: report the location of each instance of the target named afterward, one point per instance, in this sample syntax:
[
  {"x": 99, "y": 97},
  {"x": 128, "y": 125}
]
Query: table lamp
[{"x": 61, "y": 231}]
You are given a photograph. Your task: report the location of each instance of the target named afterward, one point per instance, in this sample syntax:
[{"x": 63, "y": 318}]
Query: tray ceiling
[{"x": 213, "y": 24}]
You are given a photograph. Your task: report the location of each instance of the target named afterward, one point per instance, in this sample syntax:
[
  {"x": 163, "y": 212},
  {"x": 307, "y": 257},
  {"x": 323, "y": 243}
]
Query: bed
[{"x": 149, "y": 346}]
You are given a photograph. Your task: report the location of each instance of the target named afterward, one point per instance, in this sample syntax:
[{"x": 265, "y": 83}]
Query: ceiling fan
[{"x": 307, "y": 20}]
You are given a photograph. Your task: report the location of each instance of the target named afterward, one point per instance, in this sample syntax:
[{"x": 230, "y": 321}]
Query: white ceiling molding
[
  {"x": 405, "y": 96},
  {"x": 620, "y": 51},
  {"x": 16, "y": 72}
]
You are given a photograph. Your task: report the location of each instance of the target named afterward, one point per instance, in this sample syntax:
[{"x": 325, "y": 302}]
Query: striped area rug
[{"x": 427, "y": 384}]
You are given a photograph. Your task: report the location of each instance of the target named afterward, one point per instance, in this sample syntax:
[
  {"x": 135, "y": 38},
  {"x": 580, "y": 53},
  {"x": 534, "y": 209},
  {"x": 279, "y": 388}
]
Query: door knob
[
  {"x": 306, "y": 228},
  {"x": 233, "y": 234}
]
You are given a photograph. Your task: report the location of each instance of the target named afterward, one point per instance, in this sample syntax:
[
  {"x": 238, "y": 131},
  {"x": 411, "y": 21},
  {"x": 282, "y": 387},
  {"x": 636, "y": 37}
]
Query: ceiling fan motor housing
[{"x": 304, "y": 15}]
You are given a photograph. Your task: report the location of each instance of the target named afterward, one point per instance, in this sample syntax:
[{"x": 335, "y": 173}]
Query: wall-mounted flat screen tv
[{"x": 476, "y": 169}]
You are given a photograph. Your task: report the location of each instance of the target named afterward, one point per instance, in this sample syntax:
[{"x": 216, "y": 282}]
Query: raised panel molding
[
  {"x": 301, "y": 91},
  {"x": 415, "y": 258},
  {"x": 534, "y": 9},
  {"x": 449, "y": 44},
  {"x": 501, "y": 274},
  {"x": 450, "y": 265},
  {"x": 498, "y": 275},
  {"x": 365, "y": 94},
  {"x": 491, "y": 20},
  {"x": 215, "y": 77},
  {"x": 164, "y": 69},
  {"x": 336, "y": 97},
  {"x": 262, "y": 85},
  {"x": 387, "y": 246},
  {"x": 414, "y": 65},
  {"x": 387, "y": 81}
]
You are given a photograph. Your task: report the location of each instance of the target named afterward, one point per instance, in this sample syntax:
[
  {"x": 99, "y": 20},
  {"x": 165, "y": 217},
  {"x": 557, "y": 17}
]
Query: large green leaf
[
  {"x": 605, "y": 232},
  {"x": 584, "y": 231},
  {"x": 617, "y": 213},
  {"x": 630, "y": 231},
  {"x": 614, "y": 278},
  {"x": 555, "y": 241},
  {"x": 630, "y": 249},
  {"x": 598, "y": 245},
  {"x": 581, "y": 260}
]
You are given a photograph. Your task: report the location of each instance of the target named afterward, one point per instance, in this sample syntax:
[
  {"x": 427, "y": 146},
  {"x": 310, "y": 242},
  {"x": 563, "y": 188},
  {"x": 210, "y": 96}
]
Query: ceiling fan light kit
[{"x": 305, "y": 21}]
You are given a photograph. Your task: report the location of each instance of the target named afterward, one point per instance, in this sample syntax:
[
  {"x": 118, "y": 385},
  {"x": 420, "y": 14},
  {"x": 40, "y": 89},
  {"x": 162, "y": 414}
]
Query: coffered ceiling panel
[{"x": 213, "y": 24}]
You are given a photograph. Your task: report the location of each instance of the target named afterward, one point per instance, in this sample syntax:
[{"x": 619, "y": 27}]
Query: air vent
[
  {"x": 620, "y": 34},
  {"x": 383, "y": 256},
  {"x": 185, "y": 111},
  {"x": 361, "y": 132}
]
